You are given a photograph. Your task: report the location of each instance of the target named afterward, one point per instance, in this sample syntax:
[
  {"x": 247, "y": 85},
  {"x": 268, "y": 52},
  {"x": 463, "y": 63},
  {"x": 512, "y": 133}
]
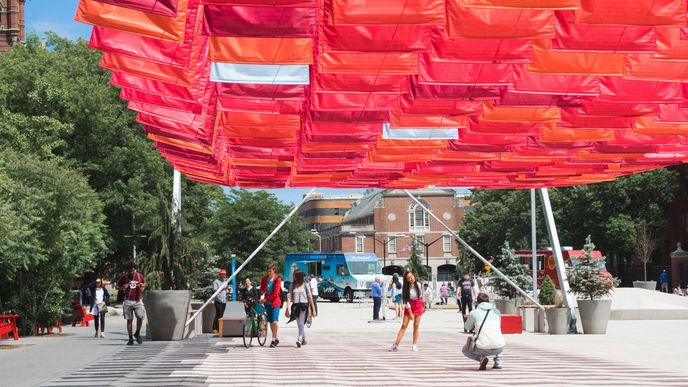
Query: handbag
[
  {"x": 472, "y": 341},
  {"x": 102, "y": 307}
]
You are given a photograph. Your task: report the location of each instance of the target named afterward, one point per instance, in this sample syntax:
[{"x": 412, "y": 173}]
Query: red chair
[
  {"x": 8, "y": 325},
  {"x": 512, "y": 324},
  {"x": 40, "y": 329},
  {"x": 80, "y": 313}
]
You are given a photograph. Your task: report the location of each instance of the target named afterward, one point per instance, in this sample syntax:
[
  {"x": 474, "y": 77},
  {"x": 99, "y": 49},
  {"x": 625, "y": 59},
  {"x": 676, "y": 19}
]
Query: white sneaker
[
  {"x": 101, "y": 335},
  {"x": 394, "y": 348},
  {"x": 414, "y": 348}
]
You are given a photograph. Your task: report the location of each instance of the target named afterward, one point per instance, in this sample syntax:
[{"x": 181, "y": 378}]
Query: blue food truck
[{"x": 340, "y": 275}]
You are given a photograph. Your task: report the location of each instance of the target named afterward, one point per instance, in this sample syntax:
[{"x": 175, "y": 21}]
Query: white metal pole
[
  {"x": 176, "y": 199},
  {"x": 474, "y": 252},
  {"x": 570, "y": 300},
  {"x": 533, "y": 231},
  {"x": 250, "y": 257}
]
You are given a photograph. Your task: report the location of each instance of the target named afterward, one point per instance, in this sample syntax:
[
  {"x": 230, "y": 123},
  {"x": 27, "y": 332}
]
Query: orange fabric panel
[
  {"x": 486, "y": 23},
  {"x": 633, "y": 12},
  {"x": 532, "y": 159},
  {"x": 587, "y": 155},
  {"x": 137, "y": 22},
  {"x": 236, "y": 49},
  {"x": 574, "y": 135},
  {"x": 262, "y": 163},
  {"x": 646, "y": 125},
  {"x": 519, "y": 114},
  {"x": 388, "y": 12},
  {"x": 534, "y": 4},
  {"x": 402, "y": 63},
  {"x": 149, "y": 70},
  {"x": 247, "y": 119},
  {"x": 449, "y": 155},
  {"x": 377, "y": 157},
  {"x": 180, "y": 143},
  {"x": 423, "y": 146},
  {"x": 399, "y": 120},
  {"x": 574, "y": 63},
  {"x": 644, "y": 67},
  {"x": 669, "y": 44}
]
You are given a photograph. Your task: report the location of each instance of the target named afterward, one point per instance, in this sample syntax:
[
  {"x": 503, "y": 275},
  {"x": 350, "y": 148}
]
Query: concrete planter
[
  {"x": 506, "y": 306},
  {"x": 207, "y": 316},
  {"x": 166, "y": 312},
  {"x": 557, "y": 321},
  {"x": 594, "y": 315},
  {"x": 649, "y": 285}
]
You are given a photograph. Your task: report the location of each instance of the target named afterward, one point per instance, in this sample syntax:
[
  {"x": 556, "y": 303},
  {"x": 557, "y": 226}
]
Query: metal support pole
[
  {"x": 474, "y": 252},
  {"x": 234, "y": 287},
  {"x": 176, "y": 199},
  {"x": 570, "y": 301},
  {"x": 533, "y": 232},
  {"x": 250, "y": 257}
]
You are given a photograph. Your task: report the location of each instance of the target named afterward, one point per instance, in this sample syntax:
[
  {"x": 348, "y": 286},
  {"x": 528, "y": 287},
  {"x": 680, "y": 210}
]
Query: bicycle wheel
[
  {"x": 248, "y": 330},
  {"x": 262, "y": 329},
  {"x": 309, "y": 321}
]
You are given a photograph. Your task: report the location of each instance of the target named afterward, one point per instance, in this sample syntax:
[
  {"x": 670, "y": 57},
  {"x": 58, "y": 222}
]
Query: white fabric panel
[
  {"x": 390, "y": 133},
  {"x": 260, "y": 74}
]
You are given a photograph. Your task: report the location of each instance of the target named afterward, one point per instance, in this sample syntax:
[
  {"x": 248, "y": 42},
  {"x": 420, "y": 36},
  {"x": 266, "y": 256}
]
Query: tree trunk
[{"x": 645, "y": 271}]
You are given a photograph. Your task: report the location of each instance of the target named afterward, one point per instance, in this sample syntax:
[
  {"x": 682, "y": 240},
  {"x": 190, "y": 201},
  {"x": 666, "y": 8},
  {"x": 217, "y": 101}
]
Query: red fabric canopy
[{"x": 402, "y": 93}]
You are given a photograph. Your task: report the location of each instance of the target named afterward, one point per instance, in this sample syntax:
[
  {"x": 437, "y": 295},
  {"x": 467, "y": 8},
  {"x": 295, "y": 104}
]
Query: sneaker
[
  {"x": 394, "y": 348},
  {"x": 497, "y": 366},
  {"x": 483, "y": 363},
  {"x": 101, "y": 335},
  {"x": 214, "y": 331},
  {"x": 272, "y": 344},
  {"x": 138, "y": 338},
  {"x": 414, "y": 348},
  {"x": 298, "y": 343},
  {"x": 131, "y": 341},
  {"x": 96, "y": 334},
  {"x": 303, "y": 342},
  {"x": 276, "y": 342}
]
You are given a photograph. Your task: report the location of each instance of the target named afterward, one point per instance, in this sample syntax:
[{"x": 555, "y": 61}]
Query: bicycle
[{"x": 255, "y": 325}]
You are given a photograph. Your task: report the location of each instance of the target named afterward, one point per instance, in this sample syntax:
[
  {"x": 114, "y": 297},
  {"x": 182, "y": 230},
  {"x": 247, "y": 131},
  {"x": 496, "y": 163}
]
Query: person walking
[
  {"x": 395, "y": 286},
  {"x": 427, "y": 296},
  {"x": 133, "y": 283},
  {"x": 444, "y": 293},
  {"x": 100, "y": 299},
  {"x": 488, "y": 341},
  {"x": 376, "y": 293},
  {"x": 412, "y": 298},
  {"x": 664, "y": 281},
  {"x": 221, "y": 299},
  {"x": 299, "y": 301},
  {"x": 467, "y": 292},
  {"x": 313, "y": 283},
  {"x": 452, "y": 291},
  {"x": 270, "y": 289}
]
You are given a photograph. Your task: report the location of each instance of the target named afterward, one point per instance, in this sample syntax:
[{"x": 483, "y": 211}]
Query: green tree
[
  {"x": 510, "y": 265},
  {"x": 54, "y": 231},
  {"x": 587, "y": 277},
  {"x": 244, "y": 219},
  {"x": 548, "y": 292},
  {"x": 416, "y": 266}
]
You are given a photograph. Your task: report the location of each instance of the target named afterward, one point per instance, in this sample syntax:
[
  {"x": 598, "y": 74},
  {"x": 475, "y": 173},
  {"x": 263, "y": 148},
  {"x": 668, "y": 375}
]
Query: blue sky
[{"x": 58, "y": 16}]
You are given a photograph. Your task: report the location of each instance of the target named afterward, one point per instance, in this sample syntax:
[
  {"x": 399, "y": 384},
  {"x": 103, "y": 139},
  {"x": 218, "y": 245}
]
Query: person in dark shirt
[
  {"x": 132, "y": 284},
  {"x": 467, "y": 286}
]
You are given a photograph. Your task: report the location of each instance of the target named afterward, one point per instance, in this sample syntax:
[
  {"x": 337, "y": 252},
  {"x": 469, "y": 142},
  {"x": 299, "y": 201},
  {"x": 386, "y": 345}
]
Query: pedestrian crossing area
[{"x": 353, "y": 359}]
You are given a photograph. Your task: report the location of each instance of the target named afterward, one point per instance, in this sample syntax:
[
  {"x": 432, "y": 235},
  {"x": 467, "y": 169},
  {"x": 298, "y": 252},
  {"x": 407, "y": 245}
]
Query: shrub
[
  {"x": 587, "y": 277},
  {"x": 548, "y": 292}
]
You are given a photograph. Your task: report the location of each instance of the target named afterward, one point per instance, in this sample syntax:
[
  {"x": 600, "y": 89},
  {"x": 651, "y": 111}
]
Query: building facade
[
  {"x": 320, "y": 211},
  {"x": 11, "y": 23},
  {"x": 388, "y": 223}
]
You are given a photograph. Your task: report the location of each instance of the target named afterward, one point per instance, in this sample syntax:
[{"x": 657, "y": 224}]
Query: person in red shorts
[
  {"x": 270, "y": 288},
  {"x": 412, "y": 298}
]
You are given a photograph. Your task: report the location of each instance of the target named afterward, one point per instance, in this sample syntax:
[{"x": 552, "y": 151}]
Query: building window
[
  {"x": 360, "y": 243},
  {"x": 392, "y": 242},
  {"x": 419, "y": 220},
  {"x": 447, "y": 244}
]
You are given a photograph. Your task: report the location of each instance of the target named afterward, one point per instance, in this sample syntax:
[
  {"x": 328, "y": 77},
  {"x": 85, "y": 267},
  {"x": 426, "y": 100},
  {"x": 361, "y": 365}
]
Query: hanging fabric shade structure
[{"x": 402, "y": 94}]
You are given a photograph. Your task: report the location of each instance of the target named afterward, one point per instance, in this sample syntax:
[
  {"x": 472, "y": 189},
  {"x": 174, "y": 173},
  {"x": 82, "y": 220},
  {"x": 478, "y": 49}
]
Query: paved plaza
[{"x": 345, "y": 349}]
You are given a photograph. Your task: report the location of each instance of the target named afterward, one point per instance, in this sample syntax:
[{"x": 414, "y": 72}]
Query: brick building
[
  {"x": 11, "y": 23},
  {"x": 384, "y": 222}
]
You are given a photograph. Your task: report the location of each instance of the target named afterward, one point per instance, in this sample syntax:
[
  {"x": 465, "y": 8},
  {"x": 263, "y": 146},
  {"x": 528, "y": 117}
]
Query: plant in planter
[
  {"x": 590, "y": 281},
  {"x": 645, "y": 244},
  {"x": 557, "y": 315},
  {"x": 510, "y": 265}
]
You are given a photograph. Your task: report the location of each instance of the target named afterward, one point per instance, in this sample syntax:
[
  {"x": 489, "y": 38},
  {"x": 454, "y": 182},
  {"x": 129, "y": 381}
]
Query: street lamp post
[
  {"x": 315, "y": 232},
  {"x": 427, "y": 247},
  {"x": 133, "y": 236}
]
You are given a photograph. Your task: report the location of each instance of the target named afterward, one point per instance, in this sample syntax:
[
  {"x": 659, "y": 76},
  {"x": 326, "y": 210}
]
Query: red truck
[{"x": 546, "y": 264}]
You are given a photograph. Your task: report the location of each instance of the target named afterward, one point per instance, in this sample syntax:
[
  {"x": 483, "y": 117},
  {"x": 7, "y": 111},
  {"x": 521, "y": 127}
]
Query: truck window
[
  {"x": 315, "y": 268},
  {"x": 342, "y": 270}
]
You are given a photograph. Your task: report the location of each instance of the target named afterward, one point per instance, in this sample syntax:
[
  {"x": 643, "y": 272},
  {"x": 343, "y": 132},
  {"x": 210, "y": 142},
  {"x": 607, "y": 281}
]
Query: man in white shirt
[
  {"x": 313, "y": 283},
  {"x": 221, "y": 299}
]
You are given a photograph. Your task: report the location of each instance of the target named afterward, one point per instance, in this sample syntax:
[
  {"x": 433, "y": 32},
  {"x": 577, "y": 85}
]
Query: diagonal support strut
[
  {"x": 474, "y": 252},
  {"x": 250, "y": 257}
]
